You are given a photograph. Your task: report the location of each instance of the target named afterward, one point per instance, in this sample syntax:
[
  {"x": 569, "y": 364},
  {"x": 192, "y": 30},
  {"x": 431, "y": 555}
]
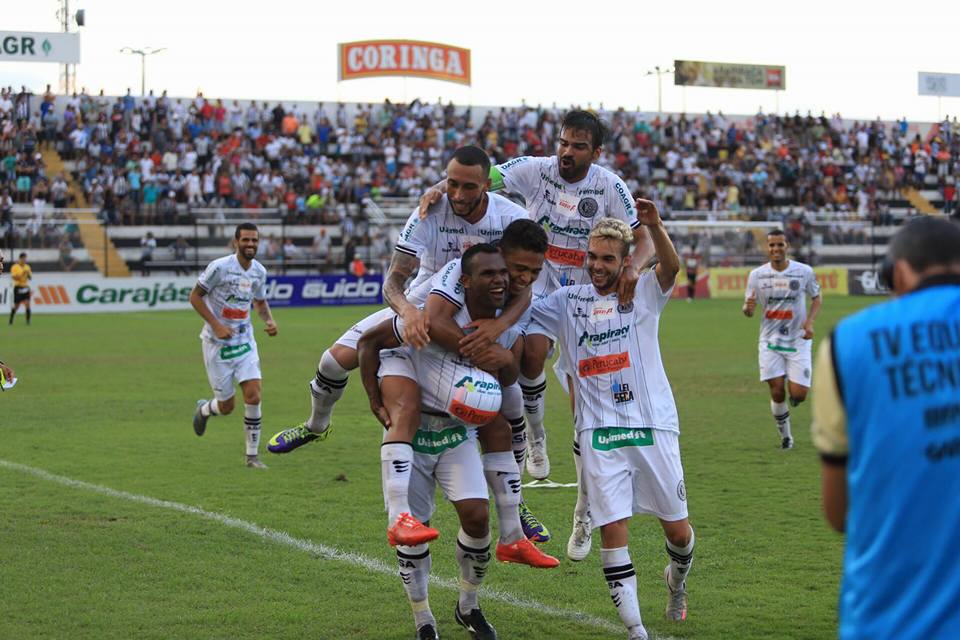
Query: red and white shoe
[
  {"x": 525, "y": 552},
  {"x": 409, "y": 532}
]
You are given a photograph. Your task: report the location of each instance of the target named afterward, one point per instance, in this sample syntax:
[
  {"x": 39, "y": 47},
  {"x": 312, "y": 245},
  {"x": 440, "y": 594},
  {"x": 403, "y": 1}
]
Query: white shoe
[
  {"x": 538, "y": 464},
  {"x": 578, "y": 546},
  {"x": 639, "y": 634}
]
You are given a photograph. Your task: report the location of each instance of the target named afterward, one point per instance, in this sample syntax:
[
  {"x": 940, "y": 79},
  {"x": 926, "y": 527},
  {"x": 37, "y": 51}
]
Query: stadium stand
[{"x": 186, "y": 168}]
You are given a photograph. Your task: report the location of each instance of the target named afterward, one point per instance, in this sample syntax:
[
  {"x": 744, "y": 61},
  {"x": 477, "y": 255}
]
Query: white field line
[{"x": 323, "y": 551}]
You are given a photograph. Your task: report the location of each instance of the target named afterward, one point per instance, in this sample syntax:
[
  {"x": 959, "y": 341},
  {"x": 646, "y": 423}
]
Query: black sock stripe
[
  {"x": 394, "y": 442},
  {"x": 782, "y": 416},
  {"x": 576, "y": 448},
  {"x": 619, "y": 568},
  {"x": 517, "y": 422},
  {"x": 620, "y": 576},
  {"x": 413, "y": 556},
  {"x": 679, "y": 557},
  {"x": 336, "y": 384},
  {"x": 534, "y": 389},
  {"x": 518, "y": 429},
  {"x": 467, "y": 549}
]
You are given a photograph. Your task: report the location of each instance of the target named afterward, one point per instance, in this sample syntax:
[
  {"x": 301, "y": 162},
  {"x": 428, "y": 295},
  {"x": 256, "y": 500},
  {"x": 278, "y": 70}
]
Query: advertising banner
[
  {"x": 694, "y": 73},
  {"x": 37, "y": 46},
  {"x": 865, "y": 282},
  {"x": 374, "y": 58},
  {"x": 731, "y": 282},
  {"x": 938, "y": 84},
  {"x": 78, "y": 293}
]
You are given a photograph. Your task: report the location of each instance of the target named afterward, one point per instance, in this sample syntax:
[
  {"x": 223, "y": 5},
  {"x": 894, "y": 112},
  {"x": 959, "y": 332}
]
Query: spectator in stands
[
  {"x": 357, "y": 267},
  {"x": 290, "y": 250},
  {"x": 179, "y": 250},
  {"x": 148, "y": 245},
  {"x": 65, "y": 249}
]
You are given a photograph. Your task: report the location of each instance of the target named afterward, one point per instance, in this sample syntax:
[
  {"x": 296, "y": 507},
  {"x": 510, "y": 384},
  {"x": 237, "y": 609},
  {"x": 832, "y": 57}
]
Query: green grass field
[{"x": 105, "y": 403}]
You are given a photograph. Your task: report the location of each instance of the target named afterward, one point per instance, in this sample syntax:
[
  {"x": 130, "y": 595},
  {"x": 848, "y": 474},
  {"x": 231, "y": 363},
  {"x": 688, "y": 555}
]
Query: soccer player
[
  {"x": 567, "y": 194},
  {"x": 786, "y": 330},
  {"x": 224, "y": 293},
  {"x": 625, "y": 416},
  {"x": 21, "y": 274},
  {"x": 444, "y": 447},
  {"x": 465, "y": 216},
  {"x": 5, "y": 370}
]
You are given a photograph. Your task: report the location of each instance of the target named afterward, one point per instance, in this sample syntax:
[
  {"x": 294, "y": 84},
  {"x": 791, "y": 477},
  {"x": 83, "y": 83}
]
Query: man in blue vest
[{"x": 886, "y": 420}]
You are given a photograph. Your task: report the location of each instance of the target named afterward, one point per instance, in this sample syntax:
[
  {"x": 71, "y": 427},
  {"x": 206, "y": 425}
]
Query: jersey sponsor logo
[
  {"x": 588, "y": 207},
  {"x": 608, "y": 438},
  {"x": 550, "y": 181},
  {"x": 475, "y": 386},
  {"x": 599, "y": 365},
  {"x": 567, "y": 204},
  {"x": 436, "y": 442},
  {"x": 452, "y": 230},
  {"x": 621, "y": 393},
  {"x": 411, "y": 227},
  {"x": 596, "y": 192},
  {"x": 778, "y": 314},
  {"x": 597, "y": 339},
  {"x": 234, "y": 314},
  {"x": 235, "y": 351},
  {"x": 551, "y": 227},
  {"x": 512, "y": 163},
  {"x": 624, "y": 198},
  {"x": 470, "y": 415},
  {"x": 565, "y": 256},
  {"x": 602, "y": 311},
  {"x": 574, "y": 296}
]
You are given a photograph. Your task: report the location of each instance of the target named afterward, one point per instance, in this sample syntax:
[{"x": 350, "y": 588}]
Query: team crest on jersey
[
  {"x": 682, "y": 491},
  {"x": 794, "y": 285},
  {"x": 588, "y": 207},
  {"x": 625, "y": 308}
]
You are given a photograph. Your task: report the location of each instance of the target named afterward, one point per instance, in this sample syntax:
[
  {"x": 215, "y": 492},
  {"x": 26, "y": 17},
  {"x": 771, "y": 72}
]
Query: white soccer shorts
[
  {"x": 352, "y": 335},
  {"x": 796, "y": 365},
  {"x": 226, "y": 365},
  {"x": 445, "y": 453},
  {"x": 627, "y": 471}
]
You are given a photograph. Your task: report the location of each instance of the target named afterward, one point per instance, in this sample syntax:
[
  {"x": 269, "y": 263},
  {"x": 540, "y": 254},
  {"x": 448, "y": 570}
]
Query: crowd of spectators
[{"x": 158, "y": 160}]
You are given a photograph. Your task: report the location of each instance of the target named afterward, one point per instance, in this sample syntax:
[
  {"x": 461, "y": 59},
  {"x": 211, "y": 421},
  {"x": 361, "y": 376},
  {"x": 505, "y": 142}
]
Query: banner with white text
[{"x": 377, "y": 58}]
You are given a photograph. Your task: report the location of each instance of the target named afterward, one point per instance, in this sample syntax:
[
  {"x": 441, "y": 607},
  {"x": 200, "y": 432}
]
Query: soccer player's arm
[
  {"x": 404, "y": 263},
  {"x": 263, "y": 310},
  {"x": 829, "y": 435},
  {"x": 432, "y": 195},
  {"x": 750, "y": 295},
  {"x": 487, "y": 332},
  {"x": 381, "y": 336},
  {"x": 816, "y": 301},
  {"x": 206, "y": 282},
  {"x": 669, "y": 265},
  {"x": 444, "y": 330}
]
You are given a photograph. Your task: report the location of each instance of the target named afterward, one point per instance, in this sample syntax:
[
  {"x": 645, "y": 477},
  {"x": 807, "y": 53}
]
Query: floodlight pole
[
  {"x": 143, "y": 53},
  {"x": 659, "y": 72}
]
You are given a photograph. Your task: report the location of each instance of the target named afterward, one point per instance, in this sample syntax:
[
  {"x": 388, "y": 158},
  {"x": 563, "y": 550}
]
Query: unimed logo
[{"x": 51, "y": 294}]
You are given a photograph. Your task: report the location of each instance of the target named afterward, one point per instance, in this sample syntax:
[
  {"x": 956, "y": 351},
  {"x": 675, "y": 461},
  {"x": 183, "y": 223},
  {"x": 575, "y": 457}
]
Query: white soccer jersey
[
  {"x": 446, "y": 284},
  {"x": 229, "y": 292},
  {"x": 567, "y": 212},
  {"x": 782, "y": 294},
  {"x": 443, "y": 235},
  {"x": 613, "y": 353},
  {"x": 439, "y": 371}
]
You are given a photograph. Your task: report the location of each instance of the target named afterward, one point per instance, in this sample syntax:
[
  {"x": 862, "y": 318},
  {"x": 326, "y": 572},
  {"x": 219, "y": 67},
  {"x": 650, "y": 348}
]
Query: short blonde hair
[{"x": 613, "y": 229}]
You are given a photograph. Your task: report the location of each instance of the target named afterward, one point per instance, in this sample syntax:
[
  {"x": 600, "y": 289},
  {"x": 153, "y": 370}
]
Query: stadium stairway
[
  {"x": 99, "y": 246},
  {"x": 918, "y": 202}
]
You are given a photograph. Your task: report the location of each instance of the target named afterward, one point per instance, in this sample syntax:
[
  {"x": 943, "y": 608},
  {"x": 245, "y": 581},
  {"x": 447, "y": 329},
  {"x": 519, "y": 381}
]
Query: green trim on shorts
[
  {"x": 608, "y": 438},
  {"x": 235, "y": 351},
  {"x": 436, "y": 442},
  {"x": 774, "y": 347}
]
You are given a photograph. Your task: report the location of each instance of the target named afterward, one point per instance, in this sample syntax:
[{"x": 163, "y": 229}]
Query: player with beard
[
  {"x": 567, "y": 194},
  {"x": 626, "y": 418},
  {"x": 224, "y": 293}
]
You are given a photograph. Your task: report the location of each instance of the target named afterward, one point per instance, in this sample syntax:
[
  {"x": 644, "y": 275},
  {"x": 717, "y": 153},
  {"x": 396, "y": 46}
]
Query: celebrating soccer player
[
  {"x": 786, "y": 330},
  {"x": 223, "y": 296},
  {"x": 625, "y": 416}
]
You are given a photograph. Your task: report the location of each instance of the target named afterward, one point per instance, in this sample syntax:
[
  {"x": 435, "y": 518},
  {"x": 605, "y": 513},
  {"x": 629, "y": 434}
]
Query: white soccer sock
[
  {"x": 622, "y": 582},
  {"x": 251, "y": 425},
  {"x": 210, "y": 408},
  {"x": 781, "y": 413},
  {"x": 680, "y": 560},
  {"x": 396, "y": 460},
  {"x": 512, "y": 410},
  {"x": 503, "y": 476},
  {"x": 582, "y": 510},
  {"x": 473, "y": 556},
  {"x": 534, "y": 404},
  {"x": 414, "y": 563},
  {"x": 326, "y": 388}
]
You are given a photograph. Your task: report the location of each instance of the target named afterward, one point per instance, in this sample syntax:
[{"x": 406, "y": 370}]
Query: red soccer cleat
[
  {"x": 409, "y": 531},
  {"x": 525, "y": 552}
]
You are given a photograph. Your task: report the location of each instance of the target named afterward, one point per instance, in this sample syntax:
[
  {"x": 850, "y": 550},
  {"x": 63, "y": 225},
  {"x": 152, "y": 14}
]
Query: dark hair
[
  {"x": 925, "y": 242},
  {"x": 524, "y": 234},
  {"x": 471, "y": 156},
  {"x": 589, "y": 122},
  {"x": 776, "y": 232},
  {"x": 22, "y": 255},
  {"x": 466, "y": 262},
  {"x": 245, "y": 226}
]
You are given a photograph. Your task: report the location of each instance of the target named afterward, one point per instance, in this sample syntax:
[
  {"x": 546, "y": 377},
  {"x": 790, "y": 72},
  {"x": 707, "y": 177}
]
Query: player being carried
[
  {"x": 567, "y": 194},
  {"x": 625, "y": 417},
  {"x": 224, "y": 293},
  {"x": 786, "y": 330},
  {"x": 456, "y": 398}
]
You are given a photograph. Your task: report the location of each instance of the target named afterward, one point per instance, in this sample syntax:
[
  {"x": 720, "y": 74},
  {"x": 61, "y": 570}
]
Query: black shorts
[{"x": 21, "y": 294}]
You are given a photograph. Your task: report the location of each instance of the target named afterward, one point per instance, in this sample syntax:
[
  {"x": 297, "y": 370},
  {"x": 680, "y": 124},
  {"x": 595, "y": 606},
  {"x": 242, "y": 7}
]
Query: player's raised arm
[
  {"x": 382, "y": 336},
  {"x": 669, "y": 262}
]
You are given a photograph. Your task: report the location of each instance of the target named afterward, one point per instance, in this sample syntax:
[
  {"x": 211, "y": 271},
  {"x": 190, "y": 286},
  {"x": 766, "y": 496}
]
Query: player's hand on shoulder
[
  {"x": 429, "y": 198},
  {"x": 647, "y": 212},
  {"x": 485, "y": 333},
  {"x": 416, "y": 328},
  {"x": 271, "y": 328}
]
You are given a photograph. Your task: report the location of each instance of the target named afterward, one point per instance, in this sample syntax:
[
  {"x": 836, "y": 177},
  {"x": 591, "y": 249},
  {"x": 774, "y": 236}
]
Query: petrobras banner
[
  {"x": 731, "y": 282},
  {"x": 309, "y": 291},
  {"x": 373, "y": 58},
  {"x": 35, "y": 46},
  {"x": 79, "y": 293}
]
